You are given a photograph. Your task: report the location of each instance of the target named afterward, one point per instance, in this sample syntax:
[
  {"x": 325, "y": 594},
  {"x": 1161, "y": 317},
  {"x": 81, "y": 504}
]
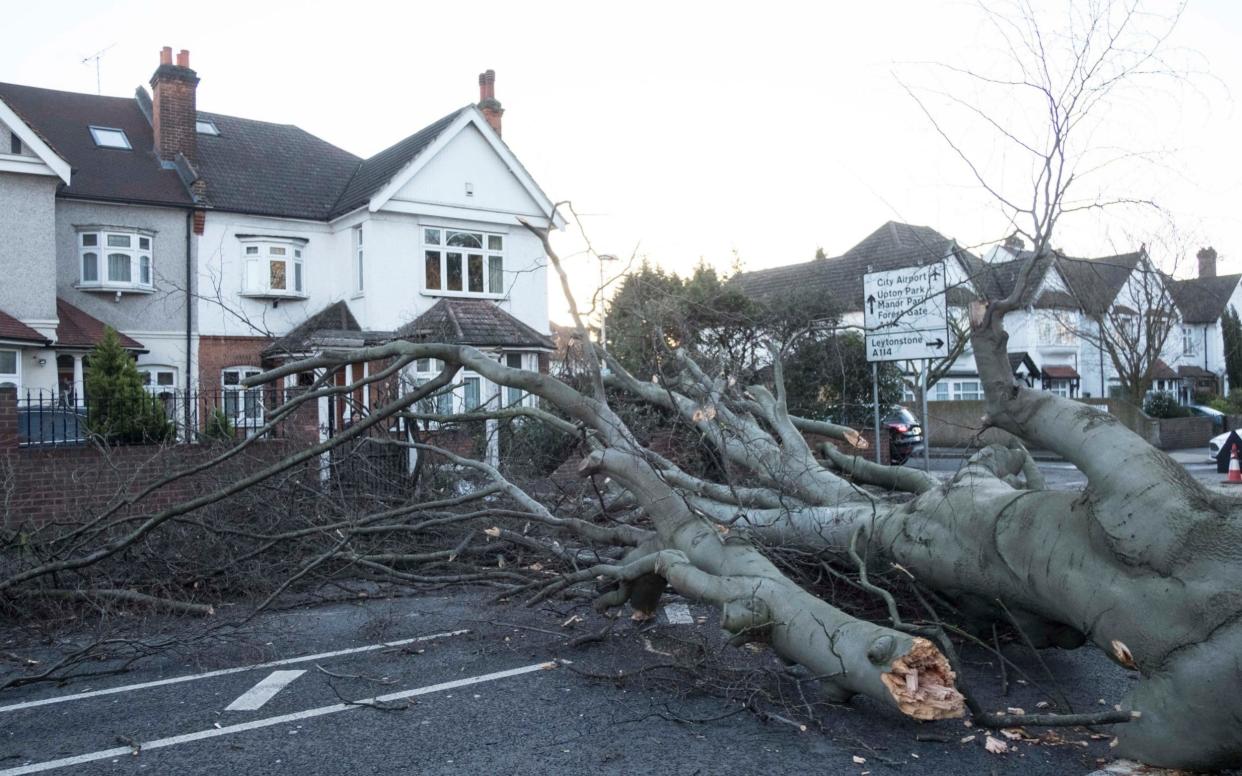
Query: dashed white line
[
  {"x": 254, "y": 698},
  {"x": 161, "y": 743},
  {"x": 226, "y": 671}
]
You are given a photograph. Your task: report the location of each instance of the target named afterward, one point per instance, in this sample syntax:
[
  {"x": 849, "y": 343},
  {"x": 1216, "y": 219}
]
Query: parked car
[
  {"x": 905, "y": 435},
  {"x": 1218, "y": 417},
  {"x": 51, "y": 426},
  {"x": 1215, "y": 444}
]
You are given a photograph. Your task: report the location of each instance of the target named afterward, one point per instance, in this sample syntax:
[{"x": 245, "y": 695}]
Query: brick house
[{"x": 221, "y": 245}]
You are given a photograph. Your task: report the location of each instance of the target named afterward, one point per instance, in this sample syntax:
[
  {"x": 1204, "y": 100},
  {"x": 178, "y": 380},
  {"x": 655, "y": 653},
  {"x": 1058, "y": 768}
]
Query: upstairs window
[
  {"x": 15, "y": 144},
  {"x": 110, "y": 137},
  {"x": 1188, "y": 340},
  {"x": 273, "y": 267},
  {"x": 205, "y": 127},
  {"x": 359, "y": 274},
  {"x": 460, "y": 262},
  {"x": 115, "y": 260}
]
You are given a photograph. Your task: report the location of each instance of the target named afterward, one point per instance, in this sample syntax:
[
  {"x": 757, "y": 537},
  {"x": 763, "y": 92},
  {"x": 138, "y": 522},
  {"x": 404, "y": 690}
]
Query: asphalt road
[
  {"x": 471, "y": 686},
  {"x": 475, "y": 694}
]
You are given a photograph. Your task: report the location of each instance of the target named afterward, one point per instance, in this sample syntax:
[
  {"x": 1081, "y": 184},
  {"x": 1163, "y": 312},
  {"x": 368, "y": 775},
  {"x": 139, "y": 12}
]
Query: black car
[{"x": 905, "y": 435}]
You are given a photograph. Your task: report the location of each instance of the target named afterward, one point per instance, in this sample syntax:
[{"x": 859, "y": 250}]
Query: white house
[{"x": 221, "y": 245}]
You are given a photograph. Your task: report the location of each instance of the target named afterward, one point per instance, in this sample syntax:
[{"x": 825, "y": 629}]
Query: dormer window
[
  {"x": 109, "y": 137},
  {"x": 206, "y": 127},
  {"x": 115, "y": 260},
  {"x": 273, "y": 267}
]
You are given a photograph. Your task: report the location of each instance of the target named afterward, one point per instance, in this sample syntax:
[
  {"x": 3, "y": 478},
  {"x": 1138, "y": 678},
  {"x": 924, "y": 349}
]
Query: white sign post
[{"x": 905, "y": 318}]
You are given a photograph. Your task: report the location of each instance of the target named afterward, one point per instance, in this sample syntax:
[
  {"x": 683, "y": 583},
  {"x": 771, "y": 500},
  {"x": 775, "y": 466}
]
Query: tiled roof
[
  {"x": 1203, "y": 300},
  {"x": 892, "y": 246},
  {"x": 1095, "y": 283},
  {"x": 79, "y": 330},
  {"x": 472, "y": 322},
  {"x": 1162, "y": 371},
  {"x": 1021, "y": 358},
  {"x": 1190, "y": 370},
  {"x": 373, "y": 173},
  {"x": 332, "y": 328},
  {"x": 271, "y": 169},
  {"x": 1060, "y": 372},
  {"x": 63, "y": 119},
  {"x": 13, "y": 330}
]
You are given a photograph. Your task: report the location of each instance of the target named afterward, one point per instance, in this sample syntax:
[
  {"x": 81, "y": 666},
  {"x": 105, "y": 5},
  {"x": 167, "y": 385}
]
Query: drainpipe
[{"x": 189, "y": 336}]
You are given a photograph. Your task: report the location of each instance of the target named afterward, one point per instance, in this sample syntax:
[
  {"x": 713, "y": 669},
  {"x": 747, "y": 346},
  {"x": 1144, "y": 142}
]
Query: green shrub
[
  {"x": 219, "y": 428},
  {"x": 1162, "y": 404},
  {"x": 119, "y": 409}
]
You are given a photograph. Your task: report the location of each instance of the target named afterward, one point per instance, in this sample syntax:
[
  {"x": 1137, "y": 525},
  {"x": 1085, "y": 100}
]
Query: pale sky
[{"x": 679, "y": 130}]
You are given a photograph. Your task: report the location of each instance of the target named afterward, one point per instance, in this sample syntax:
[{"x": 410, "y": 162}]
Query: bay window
[
  {"x": 967, "y": 390},
  {"x": 425, "y": 370},
  {"x": 463, "y": 262},
  {"x": 115, "y": 260},
  {"x": 273, "y": 267},
  {"x": 514, "y": 396}
]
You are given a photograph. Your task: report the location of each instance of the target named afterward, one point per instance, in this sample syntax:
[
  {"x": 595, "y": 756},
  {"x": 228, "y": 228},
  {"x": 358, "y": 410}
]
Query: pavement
[{"x": 453, "y": 683}]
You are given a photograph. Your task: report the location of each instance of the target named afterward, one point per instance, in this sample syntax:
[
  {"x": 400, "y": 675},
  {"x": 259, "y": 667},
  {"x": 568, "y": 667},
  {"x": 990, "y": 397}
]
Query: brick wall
[
  {"x": 218, "y": 353},
  {"x": 74, "y": 483},
  {"x": 1182, "y": 433}
]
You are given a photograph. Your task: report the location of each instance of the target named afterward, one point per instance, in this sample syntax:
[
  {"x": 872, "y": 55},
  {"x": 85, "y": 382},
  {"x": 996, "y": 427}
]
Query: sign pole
[
  {"x": 875, "y": 403},
  {"x": 926, "y": 438}
]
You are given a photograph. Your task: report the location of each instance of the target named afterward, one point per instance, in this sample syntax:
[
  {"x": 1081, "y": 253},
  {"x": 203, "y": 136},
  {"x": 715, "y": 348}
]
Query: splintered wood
[{"x": 921, "y": 683}]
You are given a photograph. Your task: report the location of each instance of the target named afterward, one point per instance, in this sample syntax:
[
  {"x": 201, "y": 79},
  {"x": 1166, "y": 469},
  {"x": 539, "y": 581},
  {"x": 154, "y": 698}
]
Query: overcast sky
[{"x": 679, "y": 131}]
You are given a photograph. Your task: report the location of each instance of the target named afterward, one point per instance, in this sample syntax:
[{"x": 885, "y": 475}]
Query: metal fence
[{"x": 48, "y": 418}]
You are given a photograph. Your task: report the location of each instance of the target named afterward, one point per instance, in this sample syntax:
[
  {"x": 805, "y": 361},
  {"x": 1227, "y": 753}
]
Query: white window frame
[
  {"x": 258, "y": 254},
  {"x": 433, "y": 242},
  {"x": 151, "y": 373},
  {"x": 939, "y": 391},
  {"x": 205, "y": 127},
  {"x": 106, "y": 137},
  {"x": 360, "y": 285},
  {"x": 138, "y": 255},
  {"x": 14, "y": 377},
  {"x": 960, "y": 394},
  {"x": 516, "y": 397},
  {"x": 1188, "y": 340},
  {"x": 248, "y": 402}
]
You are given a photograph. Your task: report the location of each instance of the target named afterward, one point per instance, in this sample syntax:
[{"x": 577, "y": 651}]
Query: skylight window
[
  {"x": 206, "y": 127},
  {"x": 107, "y": 137}
]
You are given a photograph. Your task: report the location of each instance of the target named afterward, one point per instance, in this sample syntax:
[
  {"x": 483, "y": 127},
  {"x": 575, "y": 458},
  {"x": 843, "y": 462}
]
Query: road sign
[{"x": 905, "y": 317}]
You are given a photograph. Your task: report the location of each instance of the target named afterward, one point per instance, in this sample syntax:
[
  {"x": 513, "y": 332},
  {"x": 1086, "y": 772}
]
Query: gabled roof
[
  {"x": 13, "y": 330},
  {"x": 472, "y": 322},
  {"x": 1019, "y": 359},
  {"x": 332, "y": 327},
  {"x": 271, "y": 169},
  {"x": 892, "y": 246},
  {"x": 1162, "y": 371},
  {"x": 374, "y": 173},
  {"x": 76, "y": 329},
  {"x": 1203, "y": 300},
  {"x": 1095, "y": 283},
  {"x": 64, "y": 119}
]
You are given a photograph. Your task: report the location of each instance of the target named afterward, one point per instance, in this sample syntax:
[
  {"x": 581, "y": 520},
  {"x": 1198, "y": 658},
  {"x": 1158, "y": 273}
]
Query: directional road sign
[{"x": 904, "y": 313}]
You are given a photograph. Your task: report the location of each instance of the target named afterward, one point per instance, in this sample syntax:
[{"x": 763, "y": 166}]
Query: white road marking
[
  {"x": 227, "y": 671},
  {"x": 678, "y": 614},
  {"x": 185, "y": 738},
  {"x": 264, "y": 691}
]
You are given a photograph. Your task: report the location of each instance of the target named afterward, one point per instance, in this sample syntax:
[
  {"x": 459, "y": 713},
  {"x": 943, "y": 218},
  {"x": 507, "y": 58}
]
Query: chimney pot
[
  {"x": 183, "y": 58},
  {"x": 166, "y": 55},
  {"x": 487, "y": 99},
  {"x": 1207, "y": 262}
]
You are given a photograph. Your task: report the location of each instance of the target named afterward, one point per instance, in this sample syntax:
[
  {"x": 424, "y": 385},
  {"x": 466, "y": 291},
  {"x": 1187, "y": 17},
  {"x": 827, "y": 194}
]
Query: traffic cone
[{"x": 1235, "y": 469}]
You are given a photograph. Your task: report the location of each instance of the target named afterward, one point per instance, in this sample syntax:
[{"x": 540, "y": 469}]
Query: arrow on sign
[
  {"x": 871, "y": 304},
  {"x": 937, "y": 343}
]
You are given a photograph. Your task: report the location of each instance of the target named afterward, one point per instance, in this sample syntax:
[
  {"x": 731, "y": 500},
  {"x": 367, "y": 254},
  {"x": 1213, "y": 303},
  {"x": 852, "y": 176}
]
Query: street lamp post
[{"x": 603, "y": 315}]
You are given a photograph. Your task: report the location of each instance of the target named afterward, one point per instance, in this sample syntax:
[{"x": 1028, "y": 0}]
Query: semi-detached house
[{"x": 219, "y": 245}]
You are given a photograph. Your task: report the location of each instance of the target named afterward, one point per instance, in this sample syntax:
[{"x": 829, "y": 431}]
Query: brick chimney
[
  {"x": 174, "y": 108},
  {"x": 1207, "y": 262},
  {"x": 487, "y": 99}
]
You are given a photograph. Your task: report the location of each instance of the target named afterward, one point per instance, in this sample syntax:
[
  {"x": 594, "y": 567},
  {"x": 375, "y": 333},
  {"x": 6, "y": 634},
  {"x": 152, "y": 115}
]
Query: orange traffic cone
[{"x": 1235, "y": 469}]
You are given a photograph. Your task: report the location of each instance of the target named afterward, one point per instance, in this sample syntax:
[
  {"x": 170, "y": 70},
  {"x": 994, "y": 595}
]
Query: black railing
[{"x": 155, "y": 417}]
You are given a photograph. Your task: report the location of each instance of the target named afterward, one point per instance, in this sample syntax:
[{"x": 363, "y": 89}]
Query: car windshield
[{"x": 901, "y": 415}]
